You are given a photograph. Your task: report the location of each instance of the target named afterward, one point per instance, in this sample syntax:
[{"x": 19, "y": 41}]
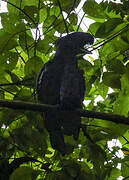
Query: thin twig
[
  {"x": 20, "y": 55},
  {"x": 7, "y": 91},
  {"x": 61, "y": 11},
  {"x": 127, "y": 142},
  {"x": 111, "y": 38},
  {"x": 80, "y": 22},
  {"x": 22, "y": 82}
]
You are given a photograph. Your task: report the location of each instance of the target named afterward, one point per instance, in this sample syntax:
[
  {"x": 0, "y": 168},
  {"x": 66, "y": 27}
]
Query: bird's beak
[{"x": 84, "y": 52}]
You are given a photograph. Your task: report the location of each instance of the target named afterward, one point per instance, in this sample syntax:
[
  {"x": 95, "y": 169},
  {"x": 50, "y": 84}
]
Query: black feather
[{"x": 61, "y": 82}]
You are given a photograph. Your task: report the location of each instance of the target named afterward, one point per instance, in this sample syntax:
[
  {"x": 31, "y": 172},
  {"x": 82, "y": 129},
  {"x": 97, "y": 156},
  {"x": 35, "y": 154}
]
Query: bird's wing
[
  {"x": 48, "y": 84},
  {"x": 48, "y": 93},
  {"x": 72, "y": 88},
  {"x": 72, "y": 92},
  {"x": 42, "y": 82}
]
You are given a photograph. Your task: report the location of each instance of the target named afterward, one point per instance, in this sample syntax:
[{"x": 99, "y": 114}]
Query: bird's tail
[
  {"x": 57, "y": 141},
  {"x": 71, "y": 126},
  {"x": 53, "y": 126}
]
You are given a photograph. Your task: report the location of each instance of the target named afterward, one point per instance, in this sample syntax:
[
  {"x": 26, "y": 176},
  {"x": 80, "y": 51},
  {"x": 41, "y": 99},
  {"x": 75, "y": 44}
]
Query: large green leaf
[
  {"x": 94, "y": 27},
  {"x": 13, "y": 11},
  {"x": 93, "y": 9},
  {"x": 102, "y": 89},
  {"x": 23, "y": 3},
  {"x": 26, "y": 42},
  {"x": 71, "y": 167},
  {"x": 8, "y": 60},
  {"x": 55, "y": 10},
  {"x": 49, "y": 22},
  {"x": 114, "y": 174},
  {"x": 43, "y": 14},
  {"x": 73, "y": 18},
  {"x": 111, "y": 79},
  {"x": 107, "y": 27},
  {"x": 7, "y": 41},
  {"x": 11, "y": 24},
  {"x": 43, "y": 46},
  {"x": 31, "y": 14},
  {"x": 121, "y": 105},
  {"x": 25, "y": 173},
  {"x": 29, "y": 3},
  {"x": 67, "y": 5},
  {"x": 60, "y": 26},
  {"x": 124, "y": 169},
  {"x": 33, "y": 66},
  {"x": 116, "y": 66}
]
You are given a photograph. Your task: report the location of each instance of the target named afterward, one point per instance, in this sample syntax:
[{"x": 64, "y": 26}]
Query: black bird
[{"x": 61, "y": 83}]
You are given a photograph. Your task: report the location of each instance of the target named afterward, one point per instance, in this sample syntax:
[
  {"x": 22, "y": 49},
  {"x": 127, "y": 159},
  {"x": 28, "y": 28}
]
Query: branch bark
[{"x": 44, "y": 107}]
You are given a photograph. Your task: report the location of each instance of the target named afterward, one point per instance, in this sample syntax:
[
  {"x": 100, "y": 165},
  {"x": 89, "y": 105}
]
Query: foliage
[{"x": 24, "y": 48}]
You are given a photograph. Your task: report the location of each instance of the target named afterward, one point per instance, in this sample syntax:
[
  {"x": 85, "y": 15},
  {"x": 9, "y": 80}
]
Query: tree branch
[
  {"x": 108, "y": 39},
  {"x": 44, "y": 107},
  {"x": 17, "y": 83}
]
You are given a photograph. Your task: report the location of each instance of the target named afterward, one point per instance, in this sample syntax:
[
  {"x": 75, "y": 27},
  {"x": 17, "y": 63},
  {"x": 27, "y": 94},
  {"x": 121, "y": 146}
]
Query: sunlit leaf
[
  {"x": 107, "y": 27},
  {"x": 93, "y": 9},
  {"x": 112, "y": 80},
  {"x": 7, "y": 41},
  {"x": 25, "y": 173},
  {"x": 33, "y": 65}
]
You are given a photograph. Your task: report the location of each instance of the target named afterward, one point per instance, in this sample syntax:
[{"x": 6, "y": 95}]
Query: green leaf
[
  {"x": 119, "y": 44},
  {"x": 111, "y": 79},
  {"x": 8, "y": 60},
  {"x": 60, "y": 26},
  {"x": 124, "y": 169},
  {"x": 25, "y": 173},
  {"x": 73, "y": 18},
  {"x": 8, "y": 115},
  {"x": 43, "y": 45},
  {"x": 33, "y": 66},
  {"x": 93, "y": 9},
  {"x": 57, "y": 175},
  {"x": 67, "y": 5},
  {"x": 121, "y": 105},
  {"x": 23, "y": 94},
  {"x": 55, "y": 10},
  {"x": 49, "y": 22},
  {"x": 12, "y": 10},
  {"x": 13, "y": 76},
  {"x": 94, "y": 27},
  {"x": 71, "y": 167},
  {"x": 26, "y": 41},
  {"x": 116, "y": 66},
  {"x": 102, "y": 89},
  {"x": 86, "y": 66},
  {"x": 106, "y": 51},
  {"x": 7, "y": 41},
  {"x": 7, "y": 22},
  {"x": 43, "y": 14},
  {"x": 11, "y": 24},
  {"x": 85, "y": 174},
  {"x": 29, "y": 3},
  {"x": 114, "y": 174},
  {"x": 32, "y": 12},
  {"x": 107, "y": 27}
]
